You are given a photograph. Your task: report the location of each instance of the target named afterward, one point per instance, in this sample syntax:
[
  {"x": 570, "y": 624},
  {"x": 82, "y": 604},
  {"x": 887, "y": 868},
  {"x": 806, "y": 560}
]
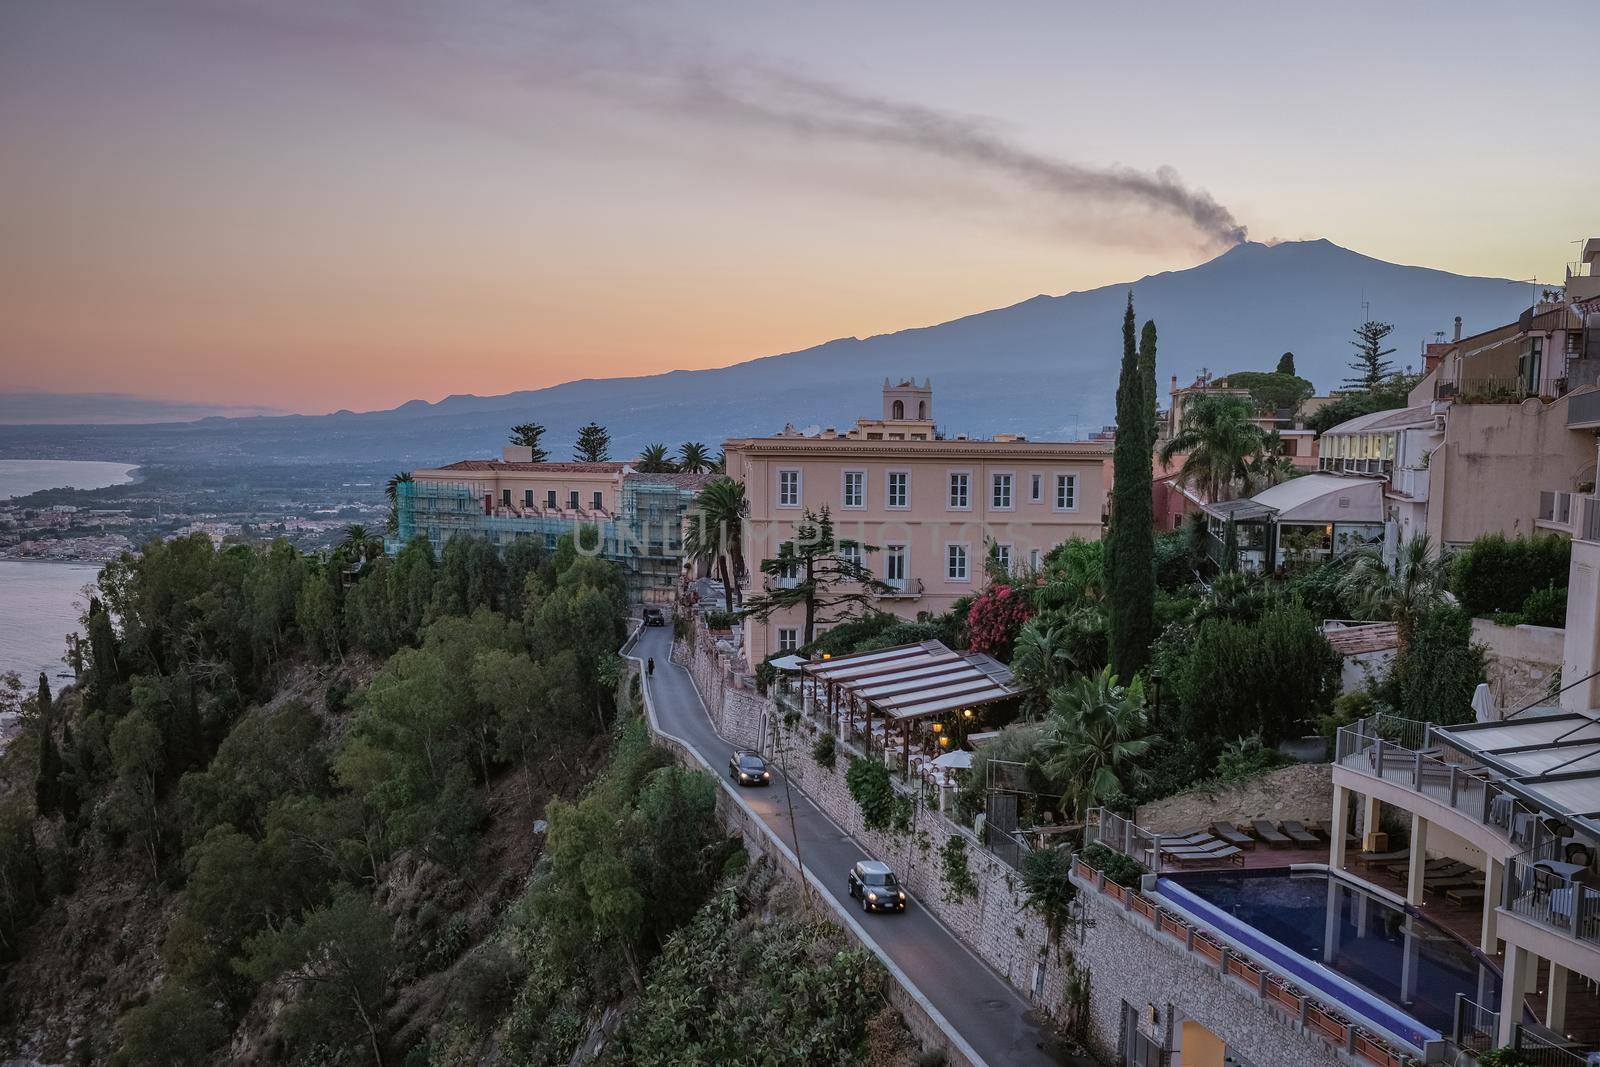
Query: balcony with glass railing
[
  {"x": 1559, "y": 511},
  {"x": 1400, "y": 752}
]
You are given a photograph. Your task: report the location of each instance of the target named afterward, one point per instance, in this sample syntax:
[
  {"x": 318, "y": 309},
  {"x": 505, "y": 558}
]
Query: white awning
[
  {"x": 1550, "y": 757},
  {"x": 790, "y": 662},
  {"x": 916, "y": 681}
]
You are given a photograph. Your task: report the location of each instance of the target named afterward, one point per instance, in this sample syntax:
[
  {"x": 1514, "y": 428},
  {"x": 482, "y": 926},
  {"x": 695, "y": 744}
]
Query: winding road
[{"x": 990, "y": 1016}]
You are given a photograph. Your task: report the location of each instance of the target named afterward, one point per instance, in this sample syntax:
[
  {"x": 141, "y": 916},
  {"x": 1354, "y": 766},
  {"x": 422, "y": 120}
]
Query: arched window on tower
[
  {"x": 922, "y": 410},
  {"x": 899, "y": 409}
]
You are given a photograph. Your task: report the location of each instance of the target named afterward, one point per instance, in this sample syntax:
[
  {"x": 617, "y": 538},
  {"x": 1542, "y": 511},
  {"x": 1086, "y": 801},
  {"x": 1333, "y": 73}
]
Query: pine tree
[
  {"x": 1371, "y": 369},
  {"x": 1130, "y": 548},
  {"x": 594, "y": 444},
  {"x": 1286, "y": 363},
  {"x": 528, "y": 434},
  {"x": 818, "y": 572},
  {"x": 47, "y": 782}
]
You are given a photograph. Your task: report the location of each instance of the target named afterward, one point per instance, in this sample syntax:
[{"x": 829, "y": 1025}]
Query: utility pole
[{"x": 788, "y": 796}]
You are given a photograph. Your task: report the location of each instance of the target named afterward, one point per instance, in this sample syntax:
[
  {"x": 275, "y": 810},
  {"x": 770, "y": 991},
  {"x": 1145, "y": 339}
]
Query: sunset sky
[{"x": 345, "y": 204}]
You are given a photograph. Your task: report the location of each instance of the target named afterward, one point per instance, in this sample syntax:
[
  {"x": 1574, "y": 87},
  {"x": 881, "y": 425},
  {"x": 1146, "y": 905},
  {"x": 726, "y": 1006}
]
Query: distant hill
[
  {"x": 32, "y": 408},
  {"x": 1046, "y": 367}
]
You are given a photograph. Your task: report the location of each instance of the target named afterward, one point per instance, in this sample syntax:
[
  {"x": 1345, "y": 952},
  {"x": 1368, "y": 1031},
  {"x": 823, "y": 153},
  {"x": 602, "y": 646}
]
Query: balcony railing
[
  {"x": 1398, "y": 751},
  {"x": 1551, "y": 899},
  {"x": 1557, "y": 509},
  {"x": 1412, "y": 481},
  {"x": 901, "y": 588},
  {"x": 1511, "y": 389}
]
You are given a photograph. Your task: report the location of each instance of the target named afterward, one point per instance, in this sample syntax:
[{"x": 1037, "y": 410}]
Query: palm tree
[
  {"x": 715, "y": 530},
  {"x": 1042, "y": 659},
  {"x": 1403, "y": 596},
  {"x": 694, "y": 457},
  {"x": 359, "y": 544},
  {"x": 391, "y": 489},
  {"x": 1097, "y": 729},
  {"x": 654, "y": 460},
  {"x": 1218, "y": 441}
]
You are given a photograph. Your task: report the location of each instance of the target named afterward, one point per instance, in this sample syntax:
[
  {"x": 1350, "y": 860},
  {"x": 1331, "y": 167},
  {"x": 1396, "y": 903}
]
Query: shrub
[
  {"x": 868, "y": 781},
  {"x": 1496, "y": 573},
  {"x": 995, "y": 618},
  {"x": 1123, "y": 870},
  {"x": 721, "y": 620},
  {"x": 1265, "y": 677},
  {"x": 1248, "y": 758},
  {"x": 1546, "y": 607},
  {"x": 1050, "y": 891},
  {"x": 825, "y": 751},
  {"x": 1433, "y": 679},
  {"x": 958, "y": 883}
]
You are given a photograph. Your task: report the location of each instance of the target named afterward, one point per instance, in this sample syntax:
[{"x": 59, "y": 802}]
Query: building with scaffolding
[{"x": 632, "y": 518}]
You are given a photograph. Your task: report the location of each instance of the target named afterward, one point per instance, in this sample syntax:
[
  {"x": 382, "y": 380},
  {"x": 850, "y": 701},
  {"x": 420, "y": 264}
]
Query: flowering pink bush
[{"x": 995, "y": 619}]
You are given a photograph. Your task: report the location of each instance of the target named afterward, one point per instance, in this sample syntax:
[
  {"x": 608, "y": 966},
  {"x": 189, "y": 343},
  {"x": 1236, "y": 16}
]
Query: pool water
[{"x": 1385, "y": 963}]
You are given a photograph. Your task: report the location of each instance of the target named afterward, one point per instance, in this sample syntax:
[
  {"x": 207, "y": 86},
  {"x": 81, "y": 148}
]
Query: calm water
[
  {"x": 39, "y": 605},
  {"x": 1406, "y": 961},
  {"x": 19, "y": 477}
]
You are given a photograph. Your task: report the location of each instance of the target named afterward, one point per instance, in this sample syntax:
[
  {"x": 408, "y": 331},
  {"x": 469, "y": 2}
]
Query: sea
[{"x": 40, "y": 601}]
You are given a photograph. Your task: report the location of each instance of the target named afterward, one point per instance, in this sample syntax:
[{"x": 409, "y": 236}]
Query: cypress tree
[
  {"x": 45, "y": 786},
  {"x": 1130, "y": 551}
]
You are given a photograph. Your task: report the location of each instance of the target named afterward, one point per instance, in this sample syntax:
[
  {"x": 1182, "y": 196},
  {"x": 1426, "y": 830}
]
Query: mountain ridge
[{"x": 1045, "y": 366}]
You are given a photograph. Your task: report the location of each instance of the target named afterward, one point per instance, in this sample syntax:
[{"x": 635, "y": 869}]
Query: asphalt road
[{"x": 988, "y": 1013}]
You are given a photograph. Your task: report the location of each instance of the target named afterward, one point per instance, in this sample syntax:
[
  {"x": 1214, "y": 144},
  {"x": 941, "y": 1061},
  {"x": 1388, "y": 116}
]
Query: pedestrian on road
[{"x": 650, "y": 667}]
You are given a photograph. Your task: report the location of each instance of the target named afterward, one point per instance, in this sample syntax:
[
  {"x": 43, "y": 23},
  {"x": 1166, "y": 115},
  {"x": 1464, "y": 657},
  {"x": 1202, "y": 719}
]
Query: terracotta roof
[
  {"x": 1354, "y": 640},
  {"x": 501, "y": 465},
  {"x": 682, "y": 480}
]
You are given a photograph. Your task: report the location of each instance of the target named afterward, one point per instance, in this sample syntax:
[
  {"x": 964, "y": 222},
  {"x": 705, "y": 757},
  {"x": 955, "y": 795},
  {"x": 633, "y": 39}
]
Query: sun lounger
[
  {"x": 1465, "y": 895},
  {"x": 1227, "y": 853},
  {"x": 1269, "y": 834},
  {"x": 1299, "y": 834},
  {"x": 1233, "y": 835},
  {"x": 1351, "y": 840},
  {"x": 1193, "y": 837},
  {"x": 1434, "y": 868},
  {"x": 1375, "y": 859},
  {"x": 1208, "y": 845}
]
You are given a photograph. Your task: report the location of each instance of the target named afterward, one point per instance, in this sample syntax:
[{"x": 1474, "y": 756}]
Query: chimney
[{"x": 1458, "y": 328}]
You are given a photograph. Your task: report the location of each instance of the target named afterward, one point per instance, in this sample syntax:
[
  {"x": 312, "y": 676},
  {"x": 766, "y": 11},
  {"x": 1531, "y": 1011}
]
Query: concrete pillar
[
  {"x": 1330, "y": 925},
  {"x": 1493, "y": 886},
  {"x": 1337, "y": 829},
  {"x": 1369, "y": 817},
  {"x": 1555, "y": 993},
  {"x": 1419, "y": 859},
  {"x": 1409, "y": 948},
  {"x": 1518, "y": 963}
]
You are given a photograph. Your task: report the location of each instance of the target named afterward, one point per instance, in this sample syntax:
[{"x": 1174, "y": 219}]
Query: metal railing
[
  {"x": 1588, "y": 527},
  {"x": 1556, "y": 507},
  {"x": 900, "y": 587},
  {"x": 1474, "y": 1027},
  {"x": 1398, "y": 751},
  {"x": 1543, "y": 1052},
  {"x": 1122, "y": 835},
  {"x": 1551, "y": 899}
]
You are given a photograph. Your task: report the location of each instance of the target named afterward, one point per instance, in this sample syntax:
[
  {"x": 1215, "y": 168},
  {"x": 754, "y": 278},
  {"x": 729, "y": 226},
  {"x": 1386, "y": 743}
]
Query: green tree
[
  {"x": 1434, "y": 676},
  {"x": 391, "y": 489},
  {"x": 1286, "y": 363},
  {"x": 411, "y": 582},
  {"x": 714, "y": 532},
  {"x": 1393, "y": 392},
  {"x": 594, "y": 444},
  {"x": 1272, "y": 390},
  {"x": 338, "y": 960},
  {"x": 176, "y": 1027},
  {"x": 818, "y": 572},
  {"x": 528, "y": 435},
  {"x": 359, "y": 544},
  {"x": 1370, "y": 367},
  {"x": 1218, "y": 440},
  {"x": 47, "y": 779},
  {"x": 1268, "y": 676},
  {"x": 1096, "y": 731},
  {"x": 694, "y": 457},
  {"x": 1130, "y": 548},
  {"x": 654, "y": 460},
  {"x": 318, "y": 616},
  {"x": 138, "y": 759}
]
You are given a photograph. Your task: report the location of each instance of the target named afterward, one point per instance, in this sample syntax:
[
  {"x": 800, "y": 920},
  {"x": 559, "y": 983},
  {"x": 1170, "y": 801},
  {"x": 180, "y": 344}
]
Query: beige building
[{"x": 930, "y": 506}]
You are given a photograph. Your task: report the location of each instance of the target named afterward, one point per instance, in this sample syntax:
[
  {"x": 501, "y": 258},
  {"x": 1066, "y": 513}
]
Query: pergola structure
[{"x": 905, "y": 684}]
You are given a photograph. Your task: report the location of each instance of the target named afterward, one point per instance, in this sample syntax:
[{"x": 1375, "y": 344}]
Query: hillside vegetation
[{"x": 291, "y": 813}]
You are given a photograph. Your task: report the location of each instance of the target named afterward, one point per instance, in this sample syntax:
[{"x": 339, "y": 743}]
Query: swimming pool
[{"x": 1395, "y": 969}]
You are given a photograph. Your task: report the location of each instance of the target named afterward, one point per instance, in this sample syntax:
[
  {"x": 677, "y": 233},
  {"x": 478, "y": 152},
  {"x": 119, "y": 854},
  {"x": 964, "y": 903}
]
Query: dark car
[
  {"x": 875, "y": 885},
  {"x": 747, "y": 768},
  {"x": 654, "y": 617}
]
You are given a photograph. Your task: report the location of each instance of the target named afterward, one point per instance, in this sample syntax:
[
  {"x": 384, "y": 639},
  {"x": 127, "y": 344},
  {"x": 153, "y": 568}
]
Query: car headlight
[
  {"x": 902, "y": 894},
  {"x": 766, "y": 774},
  {"x": 872, "y": 896}
]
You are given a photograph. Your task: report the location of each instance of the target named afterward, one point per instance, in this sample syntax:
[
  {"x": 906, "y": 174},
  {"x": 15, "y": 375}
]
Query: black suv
[
  {"x": 747, "y": 768},
  {"x": 654, "y": 617},
  {"x": 876, "y": 886}
]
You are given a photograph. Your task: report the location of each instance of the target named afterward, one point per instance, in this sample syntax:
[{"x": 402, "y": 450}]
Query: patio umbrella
[
  {"x": 789, "y": 663},
  {"x": 954, "y": 760}
]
